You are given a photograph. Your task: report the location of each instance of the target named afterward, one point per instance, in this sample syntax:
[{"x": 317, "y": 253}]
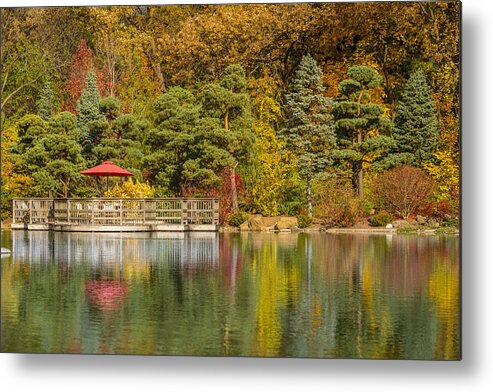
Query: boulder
[
  {"x": 432, "y": 222},
  {"x": 389, "y": 226},
  {"x": 421, "y": 219},
  {"x": 400, "y": 223},
  {"x": 286, "y": 222},
  {"x": 256, "y": 223},
  {"x": 244, "y": 226}
]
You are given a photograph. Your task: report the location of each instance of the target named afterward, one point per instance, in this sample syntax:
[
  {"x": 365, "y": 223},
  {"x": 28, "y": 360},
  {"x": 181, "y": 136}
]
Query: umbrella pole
[{"x": 107, "y": 184}]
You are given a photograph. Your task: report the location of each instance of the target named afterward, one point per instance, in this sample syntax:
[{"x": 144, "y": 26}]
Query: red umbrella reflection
[{"x": 106, "y": 294}]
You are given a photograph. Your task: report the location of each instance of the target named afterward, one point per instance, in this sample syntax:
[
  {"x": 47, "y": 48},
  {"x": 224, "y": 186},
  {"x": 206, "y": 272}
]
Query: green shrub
[
  {"x": 304, "y": 221},
  {"x": 451, "y": 222},
  {"x": 238, "y": 219},
  {"x": 383, "y": 218}
]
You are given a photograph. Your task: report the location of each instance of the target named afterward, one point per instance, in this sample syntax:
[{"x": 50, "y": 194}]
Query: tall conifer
[
  {"x": 46, "y": 103},
  {"x": 416, "y": 123},
  {"x": 309, "y": 130},
  {"x": 88, "y": 107},
  {"x": 360, "y": 124}
]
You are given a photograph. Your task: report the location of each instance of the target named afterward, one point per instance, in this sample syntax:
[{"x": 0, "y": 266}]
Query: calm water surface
[{"x": 294, "y": 295}]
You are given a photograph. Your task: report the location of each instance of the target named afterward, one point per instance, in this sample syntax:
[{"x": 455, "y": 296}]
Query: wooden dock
[{"x": 116, "y": 215}]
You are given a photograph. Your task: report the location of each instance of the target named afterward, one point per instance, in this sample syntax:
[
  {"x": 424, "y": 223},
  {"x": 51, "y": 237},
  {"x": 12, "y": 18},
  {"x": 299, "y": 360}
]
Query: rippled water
[{"x": 294, "y": 295}]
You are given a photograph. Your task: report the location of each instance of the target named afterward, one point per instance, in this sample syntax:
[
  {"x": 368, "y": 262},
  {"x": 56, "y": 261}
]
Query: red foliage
[
  {"x": 82, "y": 63},
  {"x": 439, "y": 209},
  {"x": 223, "y": 192},
  {"x": 402, "y": 191}
]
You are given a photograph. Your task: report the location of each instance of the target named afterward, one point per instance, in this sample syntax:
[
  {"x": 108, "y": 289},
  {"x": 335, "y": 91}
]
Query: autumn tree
[
  {"x": 275, "y": 163},
  {"x": 360, "y": 124},
  {"x": 309, "y": 131},
  {"x": 24, "y": 64},
  {"x": 401, "y": 191}
]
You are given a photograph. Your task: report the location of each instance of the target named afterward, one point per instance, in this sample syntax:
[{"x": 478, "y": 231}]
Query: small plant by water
[
  {"x": 304, "y": 221},
  {"x": 382, "y": 218},
  {"x": 238, "y": 219}
]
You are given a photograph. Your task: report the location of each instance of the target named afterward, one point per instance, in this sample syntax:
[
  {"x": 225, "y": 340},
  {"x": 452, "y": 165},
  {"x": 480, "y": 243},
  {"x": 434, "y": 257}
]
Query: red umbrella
[{"x": 107, "y": 169}]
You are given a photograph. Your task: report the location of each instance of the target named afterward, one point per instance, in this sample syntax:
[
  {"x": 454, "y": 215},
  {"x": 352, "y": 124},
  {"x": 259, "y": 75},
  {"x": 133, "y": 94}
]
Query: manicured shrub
[
  {"x": 238, "y": 219},
  {"x": 304, "y": 221},
  {"x": 402, "y": 191},
  {"x": 382, "y": 218}
]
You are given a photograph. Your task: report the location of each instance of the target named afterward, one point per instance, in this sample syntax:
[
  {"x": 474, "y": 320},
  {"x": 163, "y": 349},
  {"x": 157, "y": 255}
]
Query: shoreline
[{"x": 339, "y": 230}]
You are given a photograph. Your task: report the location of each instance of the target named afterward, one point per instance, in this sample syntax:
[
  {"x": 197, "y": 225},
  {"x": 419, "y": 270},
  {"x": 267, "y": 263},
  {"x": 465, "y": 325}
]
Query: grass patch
[
  {"x": 446, "y": 230},
  {"x": 410, "y": 229}
]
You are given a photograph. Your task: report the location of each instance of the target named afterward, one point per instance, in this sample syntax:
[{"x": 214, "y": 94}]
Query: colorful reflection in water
[{"x": 293, "y": 295}]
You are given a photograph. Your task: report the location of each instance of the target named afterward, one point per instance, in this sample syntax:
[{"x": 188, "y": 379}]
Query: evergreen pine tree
[
  {"x": 46, "y": 102},
  {"x": 360, "y": 123},
  {"x": 309, "y": 130},
  {"x": 228, "y": 101},
  {"x": 88, "y": 108},
  {"x": 416, "y": 123}
]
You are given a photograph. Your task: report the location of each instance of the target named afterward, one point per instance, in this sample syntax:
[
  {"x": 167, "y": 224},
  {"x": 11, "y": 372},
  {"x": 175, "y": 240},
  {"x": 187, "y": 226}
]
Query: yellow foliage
[
  {"x": 275, "y": 164},
  {"x": 445, "y": 173},
  {"x": 130, "y": 189},
  {"x": 18, "y": 184}
]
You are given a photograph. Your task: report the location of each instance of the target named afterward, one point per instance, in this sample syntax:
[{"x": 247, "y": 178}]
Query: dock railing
[{"x": 117, "y": 212}]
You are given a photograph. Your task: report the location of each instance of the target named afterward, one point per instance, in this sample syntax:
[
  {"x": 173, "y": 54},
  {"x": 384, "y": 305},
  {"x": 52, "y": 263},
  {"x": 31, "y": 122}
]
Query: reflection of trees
[
  {"x": 257, "y": 294},
  {"x": 444, "y": 291}
]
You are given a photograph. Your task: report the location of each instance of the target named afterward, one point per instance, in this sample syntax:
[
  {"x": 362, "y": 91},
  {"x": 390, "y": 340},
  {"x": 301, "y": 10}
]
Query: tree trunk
[
  {"x": 309, "y": 205},
  {"x": 156, "y": 67},
  {"x": 360, "y": 180},
  {"x": 359, "y": 168},
  {"x": 234, "y": 192}
]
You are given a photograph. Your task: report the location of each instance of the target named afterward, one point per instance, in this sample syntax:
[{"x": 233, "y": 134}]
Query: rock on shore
[{"x": 269, "y": 223}]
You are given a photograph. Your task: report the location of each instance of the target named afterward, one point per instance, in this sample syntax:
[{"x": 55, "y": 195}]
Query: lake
[{"x": 232, "y": 294}]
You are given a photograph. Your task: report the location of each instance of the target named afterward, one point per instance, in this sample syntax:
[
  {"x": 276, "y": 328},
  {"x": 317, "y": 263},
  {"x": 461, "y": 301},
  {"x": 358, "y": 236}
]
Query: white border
[{"x": 111, "y": 373}]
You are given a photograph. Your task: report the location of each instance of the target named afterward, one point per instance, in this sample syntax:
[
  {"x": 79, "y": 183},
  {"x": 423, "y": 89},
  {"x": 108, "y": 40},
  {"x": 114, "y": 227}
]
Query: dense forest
[{"x": 331, "y": 111}]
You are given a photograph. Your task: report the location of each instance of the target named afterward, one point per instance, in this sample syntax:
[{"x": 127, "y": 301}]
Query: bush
[
  {"x": 383, "y": 218},
  {"x": 336, "y": 204},
  {"x": 304, "y": 221},
  {"x": 402, "y": 191},
  {"x": 442, "y": 210},
  {"x": 130, "y": 189},
  {"x": 238, "y": 219},
  {"x": 452, "y": 222}
]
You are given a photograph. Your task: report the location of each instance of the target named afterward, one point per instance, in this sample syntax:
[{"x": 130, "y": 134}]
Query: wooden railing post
[
  {"x": 215, "y": 211},
  {"x": 31, "y": 211},
  {"x": 68, "y": 210},
  {"x": 92, "y": 211},
  {"x": 184, "y": 212},
  {"x": 144, "y": 211},
  {"x": 121, "y": 212}
]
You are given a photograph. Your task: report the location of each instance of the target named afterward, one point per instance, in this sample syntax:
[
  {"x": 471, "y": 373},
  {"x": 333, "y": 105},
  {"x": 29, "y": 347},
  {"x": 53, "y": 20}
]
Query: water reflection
[{"x": 308, "y": 295}]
